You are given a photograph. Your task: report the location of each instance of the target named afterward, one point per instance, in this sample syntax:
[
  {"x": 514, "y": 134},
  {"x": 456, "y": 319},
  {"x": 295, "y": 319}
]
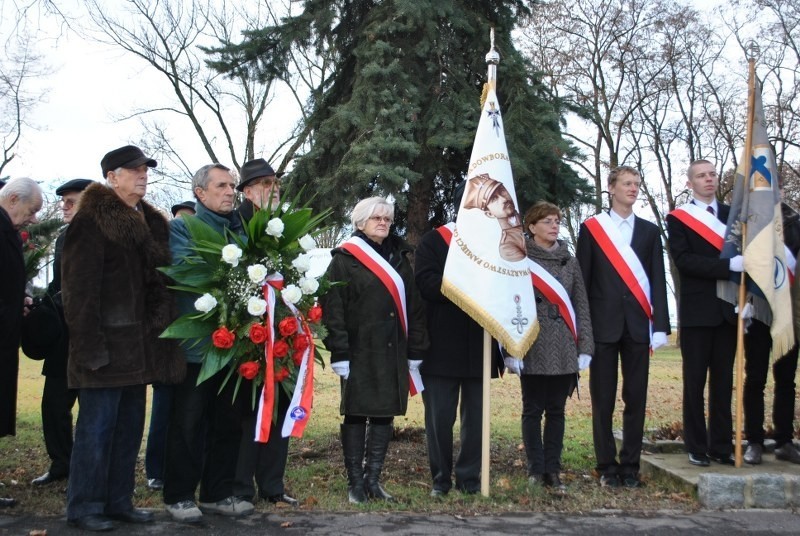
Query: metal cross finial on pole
[{"x": 752, "y": 50}]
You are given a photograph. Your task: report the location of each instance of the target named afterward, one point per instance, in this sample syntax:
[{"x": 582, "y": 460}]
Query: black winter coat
[
  {"x": 12, "y": 294},
  {"x": 364, "y": 328},
  {"x": 456, "y": 349}
]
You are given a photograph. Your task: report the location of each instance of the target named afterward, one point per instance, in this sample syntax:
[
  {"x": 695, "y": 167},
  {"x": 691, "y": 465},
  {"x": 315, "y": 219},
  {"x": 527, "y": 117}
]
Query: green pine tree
[{"x": 400, "y": 112}]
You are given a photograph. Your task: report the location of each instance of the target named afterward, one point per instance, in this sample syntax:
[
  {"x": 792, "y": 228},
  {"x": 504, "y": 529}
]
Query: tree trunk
[{"x": 419, "y": 203}]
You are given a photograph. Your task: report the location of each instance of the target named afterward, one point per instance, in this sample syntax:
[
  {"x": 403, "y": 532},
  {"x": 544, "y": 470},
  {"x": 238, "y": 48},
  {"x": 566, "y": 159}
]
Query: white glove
[
  {"x": 342, "y": 368},
  {"x": 659, "y": 340},
  {"x": 736, "y": 264},
  {"x": 747, "y": 311},
  {"x": 584, "y": 360},
  {"x": 413, "y": 364},
  {"x": 514, "y": 365}
]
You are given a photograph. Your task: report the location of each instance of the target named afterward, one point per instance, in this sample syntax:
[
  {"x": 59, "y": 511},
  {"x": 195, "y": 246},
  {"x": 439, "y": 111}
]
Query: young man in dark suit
[
  {"x": 625, "y": 312},
  {"x": 708, "y": 324}
]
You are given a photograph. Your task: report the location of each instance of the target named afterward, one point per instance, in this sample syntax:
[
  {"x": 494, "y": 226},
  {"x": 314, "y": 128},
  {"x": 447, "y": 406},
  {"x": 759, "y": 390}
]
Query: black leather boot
[
  {"x": 353, "y": 447},
  {"x": 377, "y": 443}
]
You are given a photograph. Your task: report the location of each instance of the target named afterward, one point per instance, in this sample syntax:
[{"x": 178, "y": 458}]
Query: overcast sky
[{"x": 91, "y": 87}]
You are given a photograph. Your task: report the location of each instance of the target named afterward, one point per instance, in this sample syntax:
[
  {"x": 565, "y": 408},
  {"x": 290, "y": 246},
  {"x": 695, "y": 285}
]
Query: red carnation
[
  {"x": 287, "y": 326},
  {"x": 258, "y": 333},
  {"x": 24, "y": 235},
  {"x": 223, "y": 338},
  {"x": 297, "y": 358},
  {"x": 300, "y": 342},
  {"x": 282, "y": 374},
  {"x": 249, "y": 370},
  {"x": 315, "y": 314},
  {"x": 280, "y": 349}
]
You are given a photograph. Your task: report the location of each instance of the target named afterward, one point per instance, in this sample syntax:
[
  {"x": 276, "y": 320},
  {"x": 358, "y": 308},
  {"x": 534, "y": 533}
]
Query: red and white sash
[
  {"x": 701, "y": 222},
  {"x": 446, "y": 231},
  {"x": 552, "y": 289},
  {"x": 387, "y": 275},
  {"x": 299, "y": 411},
  {"x": 623, "y": 259}
]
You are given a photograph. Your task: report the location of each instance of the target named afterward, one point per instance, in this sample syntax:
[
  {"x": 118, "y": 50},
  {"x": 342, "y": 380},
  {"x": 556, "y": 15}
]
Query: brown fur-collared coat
[{"x": 115, "y": 301}]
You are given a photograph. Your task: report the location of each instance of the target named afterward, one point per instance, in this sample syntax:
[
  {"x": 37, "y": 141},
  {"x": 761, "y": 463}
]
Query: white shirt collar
[
  {"x": 617, "y": 219},
  {"x": 705, "y": 205}
]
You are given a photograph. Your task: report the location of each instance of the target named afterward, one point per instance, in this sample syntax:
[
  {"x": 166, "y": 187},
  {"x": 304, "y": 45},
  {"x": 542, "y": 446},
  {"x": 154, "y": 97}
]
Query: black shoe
[
  {"x": 283, "y": 498},
  {"x": 552, "y": 480},
  {"x": 47, "y": 478},
  {"x": 722, "y": 459},
  {"x": 155, "y": 484},
  {"x": 787, "y": 453},
  {"x": 7, "y": 502},
  {"x": 438, "y": 493},
  {"x": 535, "y": 480},
  {"x": 609, "y": 480},
  {"x": 93, "y": 522},
  {"x": 753, "y": 453},
  {"x": 700, "y": 460},
  {"x": 631, "y": 480},
  {"x": 134, "y": 515}
]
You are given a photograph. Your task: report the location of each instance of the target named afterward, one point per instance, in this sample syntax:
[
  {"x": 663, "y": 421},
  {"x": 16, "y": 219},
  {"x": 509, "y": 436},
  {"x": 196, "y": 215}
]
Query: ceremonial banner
[
  {"x": 756, "y": 203},
  {"x": 486, "y": 273}
]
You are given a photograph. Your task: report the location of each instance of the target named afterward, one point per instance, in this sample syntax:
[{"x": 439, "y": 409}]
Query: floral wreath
[{"x": 257, "y": 313}]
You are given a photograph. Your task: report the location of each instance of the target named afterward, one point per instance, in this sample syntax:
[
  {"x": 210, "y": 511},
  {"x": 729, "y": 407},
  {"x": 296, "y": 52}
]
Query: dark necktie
[{"x": 710, "y": 210}]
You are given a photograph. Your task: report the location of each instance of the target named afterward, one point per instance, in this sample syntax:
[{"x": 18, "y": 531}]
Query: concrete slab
[{"x": 772, "y": 484}]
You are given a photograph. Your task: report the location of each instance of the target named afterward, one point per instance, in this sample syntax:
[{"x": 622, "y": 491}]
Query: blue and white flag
[{"x": 756, "y": 202}]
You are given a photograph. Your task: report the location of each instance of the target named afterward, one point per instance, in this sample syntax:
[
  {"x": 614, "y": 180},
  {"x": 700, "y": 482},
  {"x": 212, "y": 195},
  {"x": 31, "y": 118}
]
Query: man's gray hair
[
  {"x": 24, "y": 188},
  {"x": 370, "y": 206},
  {"x": 202, "y": 176}
]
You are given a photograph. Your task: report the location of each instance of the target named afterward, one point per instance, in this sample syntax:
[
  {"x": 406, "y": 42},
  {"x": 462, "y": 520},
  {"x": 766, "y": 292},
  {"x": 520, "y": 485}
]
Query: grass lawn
[{"x": 315, "y": 471}]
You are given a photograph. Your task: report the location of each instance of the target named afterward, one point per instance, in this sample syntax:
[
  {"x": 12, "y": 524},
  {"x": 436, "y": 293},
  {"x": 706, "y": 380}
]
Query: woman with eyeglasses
[
  {"x": 549, "y": 371},
  {"x": 376, "y": 336}
]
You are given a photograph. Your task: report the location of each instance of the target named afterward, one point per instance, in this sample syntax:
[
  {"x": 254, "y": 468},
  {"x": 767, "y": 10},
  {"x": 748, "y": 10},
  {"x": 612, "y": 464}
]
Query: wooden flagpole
[
  {"x": 752, "y": 51},
  {"x": 487, "y": 412},
  {"x": 492, "y": 59}
]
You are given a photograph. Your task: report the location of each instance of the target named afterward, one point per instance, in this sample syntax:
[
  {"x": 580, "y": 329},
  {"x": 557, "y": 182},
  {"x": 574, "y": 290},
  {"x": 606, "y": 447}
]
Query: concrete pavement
[{"x": 665, "y": 523}]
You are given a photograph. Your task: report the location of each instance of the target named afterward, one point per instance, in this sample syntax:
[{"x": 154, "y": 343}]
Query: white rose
[
  {"x": 205, "y": 303},
  {"x": 302, "y": 263},
  {"x": 275, "y": 227},
  {"x": 308, "y": 285},
  {"x": 257, "y": 273},
  {"x": 231, "y": 254},
  {"x": 256, "y": 306},
  {"x": 307, "y": 242},
  {"x": 292, "y": 293}
]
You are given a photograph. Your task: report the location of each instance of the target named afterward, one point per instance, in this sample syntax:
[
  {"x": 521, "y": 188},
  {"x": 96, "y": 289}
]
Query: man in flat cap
[
  {"x": 260, "y": 186},
  {"x": 57, "y": 399},
  {"x": 187, "y": 207},
  {"x": 261, "y": 464}
]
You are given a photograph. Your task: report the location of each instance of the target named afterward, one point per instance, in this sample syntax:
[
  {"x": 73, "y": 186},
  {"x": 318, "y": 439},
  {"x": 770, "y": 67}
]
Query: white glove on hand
[
  {"x": 736, "y": 264},
  {"x": 514, "y": 365},
  {"x": 659, "y": 340},
  {"x": 342, "y": 368},
  {"x": 584, "y": 360},
  {"x": 413, "y": 364},
  {"x": 747, "y": 311}
]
